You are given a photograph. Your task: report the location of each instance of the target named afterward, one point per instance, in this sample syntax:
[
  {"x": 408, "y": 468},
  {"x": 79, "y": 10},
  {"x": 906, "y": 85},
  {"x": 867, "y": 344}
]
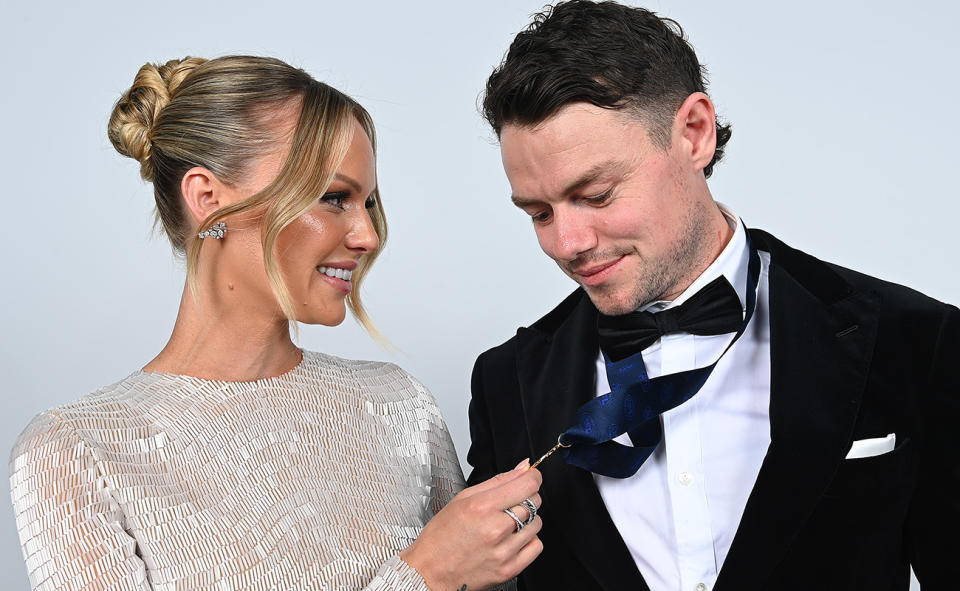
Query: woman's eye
[
  {"x": 336, "y": 198},
  {"x": 370, "y": 203}
]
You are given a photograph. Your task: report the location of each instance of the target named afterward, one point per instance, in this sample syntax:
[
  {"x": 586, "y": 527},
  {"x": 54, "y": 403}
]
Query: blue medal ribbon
[{"x": 634, "y": 405}]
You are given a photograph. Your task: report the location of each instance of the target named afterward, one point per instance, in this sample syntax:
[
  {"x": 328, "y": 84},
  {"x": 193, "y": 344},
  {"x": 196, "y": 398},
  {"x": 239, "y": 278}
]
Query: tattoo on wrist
[{"x": 463, "y": 587}]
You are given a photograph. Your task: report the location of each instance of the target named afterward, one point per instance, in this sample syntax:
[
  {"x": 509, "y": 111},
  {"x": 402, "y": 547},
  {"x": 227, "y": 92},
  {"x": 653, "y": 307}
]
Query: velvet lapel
[
  {"x": 556, "y": 367},
  {"x": 821, "y": 342}
]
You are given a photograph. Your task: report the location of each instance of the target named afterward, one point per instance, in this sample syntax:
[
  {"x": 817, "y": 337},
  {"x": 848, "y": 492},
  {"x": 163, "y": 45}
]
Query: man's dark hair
[{"x": 607, "y": 54}]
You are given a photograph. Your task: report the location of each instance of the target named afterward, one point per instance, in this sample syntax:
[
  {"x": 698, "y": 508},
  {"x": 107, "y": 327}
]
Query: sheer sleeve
[{"x": 71, "y": 528}]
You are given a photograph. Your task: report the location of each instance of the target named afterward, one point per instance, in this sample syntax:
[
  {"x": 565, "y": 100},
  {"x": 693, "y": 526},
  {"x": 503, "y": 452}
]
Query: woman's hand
[{"x": 471, "y": 543}]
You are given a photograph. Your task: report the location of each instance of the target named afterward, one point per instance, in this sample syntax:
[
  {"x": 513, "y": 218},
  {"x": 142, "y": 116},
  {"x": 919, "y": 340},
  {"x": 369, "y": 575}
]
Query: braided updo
[{"x": 220, "y": 114}]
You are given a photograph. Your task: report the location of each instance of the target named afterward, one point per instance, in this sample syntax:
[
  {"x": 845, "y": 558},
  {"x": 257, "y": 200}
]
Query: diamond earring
[{"x": 215, "y": 231}]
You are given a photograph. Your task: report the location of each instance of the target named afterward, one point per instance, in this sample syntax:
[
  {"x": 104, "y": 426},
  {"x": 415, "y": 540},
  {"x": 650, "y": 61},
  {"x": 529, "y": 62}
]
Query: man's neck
[{"x": 714, "y": 240}]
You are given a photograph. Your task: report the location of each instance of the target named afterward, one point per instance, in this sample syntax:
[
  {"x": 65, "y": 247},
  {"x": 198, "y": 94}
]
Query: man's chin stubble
[
  {"x": 605, "y": 298},
  {"x": 610, "y": 305}
]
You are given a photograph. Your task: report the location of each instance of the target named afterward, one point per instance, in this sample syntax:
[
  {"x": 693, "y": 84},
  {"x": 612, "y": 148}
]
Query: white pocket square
[{"x": 866, "y": 448}]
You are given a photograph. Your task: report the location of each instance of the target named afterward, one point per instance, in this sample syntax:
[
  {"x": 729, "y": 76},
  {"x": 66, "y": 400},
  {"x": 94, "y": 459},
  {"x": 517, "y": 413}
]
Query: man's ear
[
  {"x": 695, "y": 127},
  {"x": 201, "y": 192}
]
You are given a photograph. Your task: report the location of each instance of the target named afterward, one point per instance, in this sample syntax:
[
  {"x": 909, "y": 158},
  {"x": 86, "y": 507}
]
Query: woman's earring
[{"x": 215, "y": 231}]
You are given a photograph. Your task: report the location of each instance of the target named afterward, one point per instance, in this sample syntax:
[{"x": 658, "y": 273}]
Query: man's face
[{"x": 622, "y": 217}]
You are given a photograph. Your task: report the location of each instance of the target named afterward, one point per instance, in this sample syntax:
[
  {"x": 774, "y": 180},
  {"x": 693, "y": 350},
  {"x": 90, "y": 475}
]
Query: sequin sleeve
[
  {"x": 446, "y": 480},
  {"x": 71, "y": 529},
  {"x": 447, "y": 475}
]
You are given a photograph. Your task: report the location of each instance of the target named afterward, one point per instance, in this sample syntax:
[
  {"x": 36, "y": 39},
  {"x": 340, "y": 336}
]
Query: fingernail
[{"x": 523, "y": 465}]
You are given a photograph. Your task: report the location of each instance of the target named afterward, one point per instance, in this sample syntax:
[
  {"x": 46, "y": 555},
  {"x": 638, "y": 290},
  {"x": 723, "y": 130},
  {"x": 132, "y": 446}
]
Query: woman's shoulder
[
  {"x": 358, "y": 367},
  {"x": 89, "y": 418},
  {"x": 374, "y": 377}
]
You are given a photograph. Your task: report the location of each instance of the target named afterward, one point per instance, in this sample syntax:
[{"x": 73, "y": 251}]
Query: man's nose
[{"x": 571, "y": 236}]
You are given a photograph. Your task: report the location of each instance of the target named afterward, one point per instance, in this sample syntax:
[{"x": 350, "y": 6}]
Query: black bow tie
[{"x": 714, "y": 310}]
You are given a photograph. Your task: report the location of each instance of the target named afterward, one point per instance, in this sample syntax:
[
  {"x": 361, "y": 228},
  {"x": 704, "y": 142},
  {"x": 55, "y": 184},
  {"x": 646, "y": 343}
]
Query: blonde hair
[{"x": 220, "y": 114}]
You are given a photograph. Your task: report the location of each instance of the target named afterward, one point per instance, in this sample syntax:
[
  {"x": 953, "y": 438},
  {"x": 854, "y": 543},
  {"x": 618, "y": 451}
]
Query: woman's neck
[{"x": 216, "y": 340}]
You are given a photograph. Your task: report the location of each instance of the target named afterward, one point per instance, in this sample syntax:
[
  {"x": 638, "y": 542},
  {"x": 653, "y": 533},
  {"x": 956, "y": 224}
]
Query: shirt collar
[{"x": 732, "y": 264}]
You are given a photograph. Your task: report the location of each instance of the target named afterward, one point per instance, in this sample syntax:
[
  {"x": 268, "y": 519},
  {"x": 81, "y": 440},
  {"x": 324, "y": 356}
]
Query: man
[{"x": 820, "y": 451}]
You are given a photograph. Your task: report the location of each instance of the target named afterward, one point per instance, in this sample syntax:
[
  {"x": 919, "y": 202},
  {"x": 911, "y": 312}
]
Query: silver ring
[
  {"x": 520, "y": 524},
  {"x": 531, "y": 508}
]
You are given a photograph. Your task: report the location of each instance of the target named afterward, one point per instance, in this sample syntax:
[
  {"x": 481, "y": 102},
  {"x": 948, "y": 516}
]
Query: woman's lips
[
  {"x": 337, "y": 276},
  {"x": 336, "y": 271}
]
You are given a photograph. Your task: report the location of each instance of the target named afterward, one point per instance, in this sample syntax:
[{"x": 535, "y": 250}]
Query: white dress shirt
[{"x": 678, "y": 514}]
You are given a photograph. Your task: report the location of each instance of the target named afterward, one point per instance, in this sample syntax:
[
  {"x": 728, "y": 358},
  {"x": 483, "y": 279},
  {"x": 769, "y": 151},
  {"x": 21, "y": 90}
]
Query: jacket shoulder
[
  {"x": 892, "y": 294},
  {"x": 812, "y": 272},
  {"x": 546, "y": 325}
]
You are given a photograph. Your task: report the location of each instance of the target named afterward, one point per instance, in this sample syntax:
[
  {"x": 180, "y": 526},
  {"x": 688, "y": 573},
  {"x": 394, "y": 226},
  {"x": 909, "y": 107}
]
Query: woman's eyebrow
[{"x": 352, "y": 182}]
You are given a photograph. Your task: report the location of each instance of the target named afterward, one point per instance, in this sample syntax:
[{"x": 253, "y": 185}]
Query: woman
[{"x": 234, "y": 460}]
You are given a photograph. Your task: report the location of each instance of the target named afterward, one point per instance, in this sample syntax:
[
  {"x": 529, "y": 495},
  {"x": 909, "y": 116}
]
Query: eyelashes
[
  {"x": 601, "y": 198},
  {"x": 338, "y": 199},
  {"x": 335, "y": 198},
  {"x": 539, "y": 218}
]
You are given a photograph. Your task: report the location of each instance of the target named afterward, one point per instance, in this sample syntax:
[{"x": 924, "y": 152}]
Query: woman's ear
[{"x": 201, "y": 192}]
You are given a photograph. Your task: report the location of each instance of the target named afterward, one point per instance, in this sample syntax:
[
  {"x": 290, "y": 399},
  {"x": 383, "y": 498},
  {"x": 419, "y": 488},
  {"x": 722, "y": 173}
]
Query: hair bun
[{"x": 131, "y": 123}]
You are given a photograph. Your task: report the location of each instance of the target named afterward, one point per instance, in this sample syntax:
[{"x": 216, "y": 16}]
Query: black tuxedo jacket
[{"x": 852, "y": 357}]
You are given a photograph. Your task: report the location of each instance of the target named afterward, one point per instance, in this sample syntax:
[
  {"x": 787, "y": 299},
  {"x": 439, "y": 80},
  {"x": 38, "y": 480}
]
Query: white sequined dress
[{"x": 315, "y": 479}]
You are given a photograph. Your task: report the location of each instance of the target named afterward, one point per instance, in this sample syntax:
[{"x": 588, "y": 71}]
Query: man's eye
[
  {"x": 541, "y": 217},
  {"x": 335, "y": 198},
  {"x": 601, "y": 198}
]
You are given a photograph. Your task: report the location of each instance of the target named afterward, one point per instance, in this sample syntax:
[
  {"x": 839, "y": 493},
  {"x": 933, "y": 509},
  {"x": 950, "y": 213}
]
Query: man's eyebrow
[
  {"x": 522, "y": 202},
  {"x": 591, "y": 175}
]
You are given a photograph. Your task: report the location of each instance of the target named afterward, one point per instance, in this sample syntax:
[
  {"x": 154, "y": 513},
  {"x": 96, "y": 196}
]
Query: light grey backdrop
[{"x": 844, "y": 145}]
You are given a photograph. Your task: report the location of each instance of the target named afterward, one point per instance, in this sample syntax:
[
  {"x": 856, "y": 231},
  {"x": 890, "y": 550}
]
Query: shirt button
[
  {"x": 685, "y": 479},
  {"x": 701, "y": 587}
]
